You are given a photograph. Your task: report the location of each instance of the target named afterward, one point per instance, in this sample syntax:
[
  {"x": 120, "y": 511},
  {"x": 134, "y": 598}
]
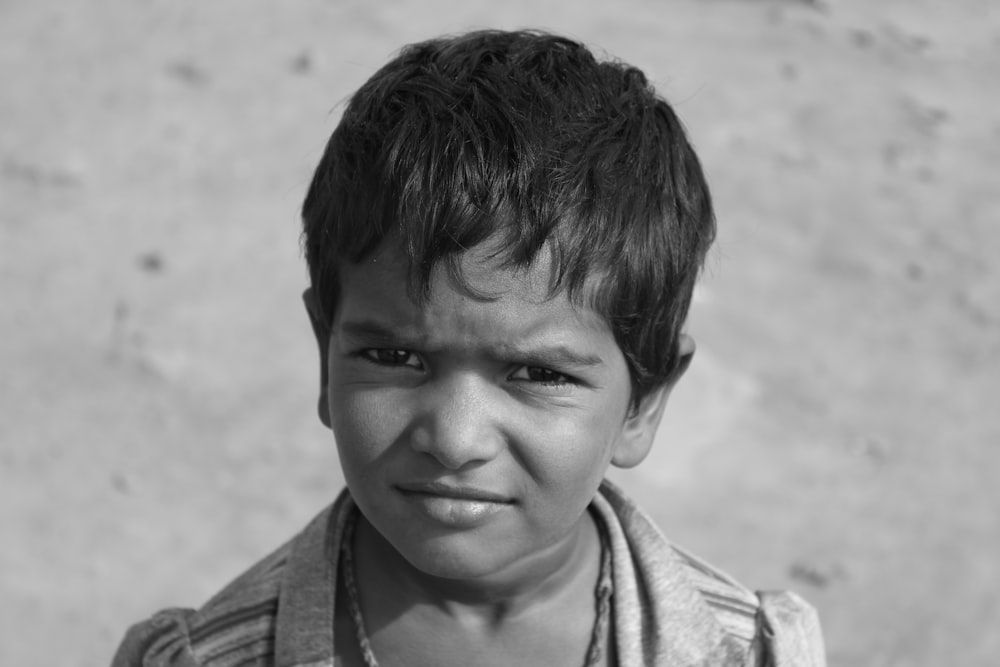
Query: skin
[{"x": 473, "y": 431}]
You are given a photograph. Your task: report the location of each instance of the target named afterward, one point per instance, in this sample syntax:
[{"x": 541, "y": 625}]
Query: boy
[{"x": 502, "y": 235}]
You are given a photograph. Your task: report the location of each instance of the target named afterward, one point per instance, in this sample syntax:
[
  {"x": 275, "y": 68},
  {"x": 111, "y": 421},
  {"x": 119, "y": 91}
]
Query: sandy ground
[{"x": 157, "y": 376}]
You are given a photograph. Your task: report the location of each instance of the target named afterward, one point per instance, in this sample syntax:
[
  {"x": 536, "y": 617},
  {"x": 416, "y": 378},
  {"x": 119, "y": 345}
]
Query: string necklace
[{"x": 602, "y": 596}]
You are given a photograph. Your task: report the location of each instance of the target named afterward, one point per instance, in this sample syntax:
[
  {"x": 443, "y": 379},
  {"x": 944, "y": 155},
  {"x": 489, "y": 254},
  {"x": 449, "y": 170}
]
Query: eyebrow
[
  {"x": 370, "y": 329},
  {"x": 557, "y": 355}
]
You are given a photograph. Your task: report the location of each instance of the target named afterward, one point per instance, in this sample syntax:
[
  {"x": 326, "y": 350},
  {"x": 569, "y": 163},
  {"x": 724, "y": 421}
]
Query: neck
[{"x": 387, "y": 580}]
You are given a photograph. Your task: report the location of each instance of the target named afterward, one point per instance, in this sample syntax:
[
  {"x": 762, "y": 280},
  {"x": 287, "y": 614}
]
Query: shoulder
[
  {"x": 734, "y": 606},
  {"x": 676, "y": 575},
  {"x": 235, "y": 627},
  {"x": 157, "y": 642},
  {"x": 779, "y": 627},
  {"x": 770, "y": 629},
  {"x": 790, "y": 632},
  {"x": 240, "y": 624}
]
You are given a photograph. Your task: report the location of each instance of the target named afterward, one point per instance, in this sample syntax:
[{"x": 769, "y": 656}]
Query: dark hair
[{"x": 525, "y": 138}]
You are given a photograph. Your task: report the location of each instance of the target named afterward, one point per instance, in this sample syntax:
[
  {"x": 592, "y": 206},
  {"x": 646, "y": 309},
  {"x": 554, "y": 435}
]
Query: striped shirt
[{"x": 669, "y": 607}]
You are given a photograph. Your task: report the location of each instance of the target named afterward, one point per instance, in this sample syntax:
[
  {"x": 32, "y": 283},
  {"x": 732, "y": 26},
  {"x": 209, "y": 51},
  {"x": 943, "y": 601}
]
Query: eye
[
  {"x": 542, "y": 375},
  {"x": 390, "y": 357}
]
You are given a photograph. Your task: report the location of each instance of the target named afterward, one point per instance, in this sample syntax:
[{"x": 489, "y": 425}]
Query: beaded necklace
[{"x": 602, "y": 596}]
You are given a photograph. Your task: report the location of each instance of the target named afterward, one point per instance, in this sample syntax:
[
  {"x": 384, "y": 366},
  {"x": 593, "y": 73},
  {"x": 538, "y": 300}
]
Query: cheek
[
  {"x": 364, "y": 425},
  {"x": 573, "y": 453}
]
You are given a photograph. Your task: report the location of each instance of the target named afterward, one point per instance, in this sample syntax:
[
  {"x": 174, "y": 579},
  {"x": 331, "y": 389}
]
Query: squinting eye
[
  {"x": 389, "y": 357},
  {"x": 541, "y": 375}
]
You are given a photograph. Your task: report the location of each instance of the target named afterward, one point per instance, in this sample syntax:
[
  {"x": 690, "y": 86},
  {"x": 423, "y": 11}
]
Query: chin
[{"x": 458, "y": 557}]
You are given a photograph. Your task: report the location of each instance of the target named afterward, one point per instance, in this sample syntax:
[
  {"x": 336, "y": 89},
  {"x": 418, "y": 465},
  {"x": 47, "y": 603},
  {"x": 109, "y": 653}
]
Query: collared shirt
[{"x": 669, "y": 607}]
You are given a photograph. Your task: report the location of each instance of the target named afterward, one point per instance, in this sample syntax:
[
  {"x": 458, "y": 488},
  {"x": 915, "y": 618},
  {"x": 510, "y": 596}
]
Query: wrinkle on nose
[{"x": 457, "y": 425}]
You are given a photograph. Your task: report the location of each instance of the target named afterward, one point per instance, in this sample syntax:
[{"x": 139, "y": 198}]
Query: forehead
[{"x": 481, "y": 294}]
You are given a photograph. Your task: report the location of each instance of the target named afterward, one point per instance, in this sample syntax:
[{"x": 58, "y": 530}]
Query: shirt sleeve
[
  {"x": 161, "y": 641},
  {"x": 790, "y": 631}
]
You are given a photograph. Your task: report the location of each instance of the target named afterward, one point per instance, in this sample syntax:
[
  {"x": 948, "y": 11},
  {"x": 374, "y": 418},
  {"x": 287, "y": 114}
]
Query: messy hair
[{"x": 527, "y": 140}]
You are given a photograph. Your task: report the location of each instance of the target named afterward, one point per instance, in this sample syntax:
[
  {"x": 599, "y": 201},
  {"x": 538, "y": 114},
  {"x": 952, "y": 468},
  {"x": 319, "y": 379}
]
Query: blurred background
[{"x": 158, "y": 377}]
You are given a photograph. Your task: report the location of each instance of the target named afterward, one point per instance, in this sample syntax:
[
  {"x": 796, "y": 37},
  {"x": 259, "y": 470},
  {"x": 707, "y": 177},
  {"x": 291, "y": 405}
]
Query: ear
[
  {"x": 322, "y": 332},
  {"x": 640, "y": 426}
]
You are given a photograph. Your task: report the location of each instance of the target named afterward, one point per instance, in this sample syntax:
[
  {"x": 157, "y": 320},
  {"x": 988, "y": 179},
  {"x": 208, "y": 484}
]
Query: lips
[
  {"x": 455, "y": 507},
  {"x": 455, "y": 492}
]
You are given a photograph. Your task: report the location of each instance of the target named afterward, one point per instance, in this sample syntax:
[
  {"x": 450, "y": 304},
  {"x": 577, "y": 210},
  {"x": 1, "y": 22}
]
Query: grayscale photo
[{"x": 635, "y": 334}]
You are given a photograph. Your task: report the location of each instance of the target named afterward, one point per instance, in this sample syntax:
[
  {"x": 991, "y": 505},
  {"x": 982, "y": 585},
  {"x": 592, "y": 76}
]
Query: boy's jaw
[{"x": 447, "y": 581}]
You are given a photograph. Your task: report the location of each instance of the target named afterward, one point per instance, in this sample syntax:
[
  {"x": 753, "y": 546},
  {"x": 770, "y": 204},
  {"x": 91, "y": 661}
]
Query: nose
[{"x": 459, "y": 422}]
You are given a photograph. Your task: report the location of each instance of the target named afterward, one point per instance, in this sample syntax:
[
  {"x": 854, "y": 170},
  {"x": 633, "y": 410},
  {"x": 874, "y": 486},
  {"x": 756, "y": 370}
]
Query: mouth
[
  {"x": 454, "y": 506},
  {"x": 454, "y": 492}
]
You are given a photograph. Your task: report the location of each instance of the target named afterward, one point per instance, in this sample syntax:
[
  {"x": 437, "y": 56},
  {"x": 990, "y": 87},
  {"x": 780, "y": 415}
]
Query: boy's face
[{"x": 474, "y": 432}]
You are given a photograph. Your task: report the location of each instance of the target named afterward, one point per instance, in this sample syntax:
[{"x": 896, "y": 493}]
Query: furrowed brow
[
  {"x": 558, "y": 356},
  {"x": 555, "y": 356},
  {"x": 375, "y": 332}
]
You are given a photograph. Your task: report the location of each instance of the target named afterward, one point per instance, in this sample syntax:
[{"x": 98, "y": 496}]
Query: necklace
[{"x": 602, "y": 596}]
